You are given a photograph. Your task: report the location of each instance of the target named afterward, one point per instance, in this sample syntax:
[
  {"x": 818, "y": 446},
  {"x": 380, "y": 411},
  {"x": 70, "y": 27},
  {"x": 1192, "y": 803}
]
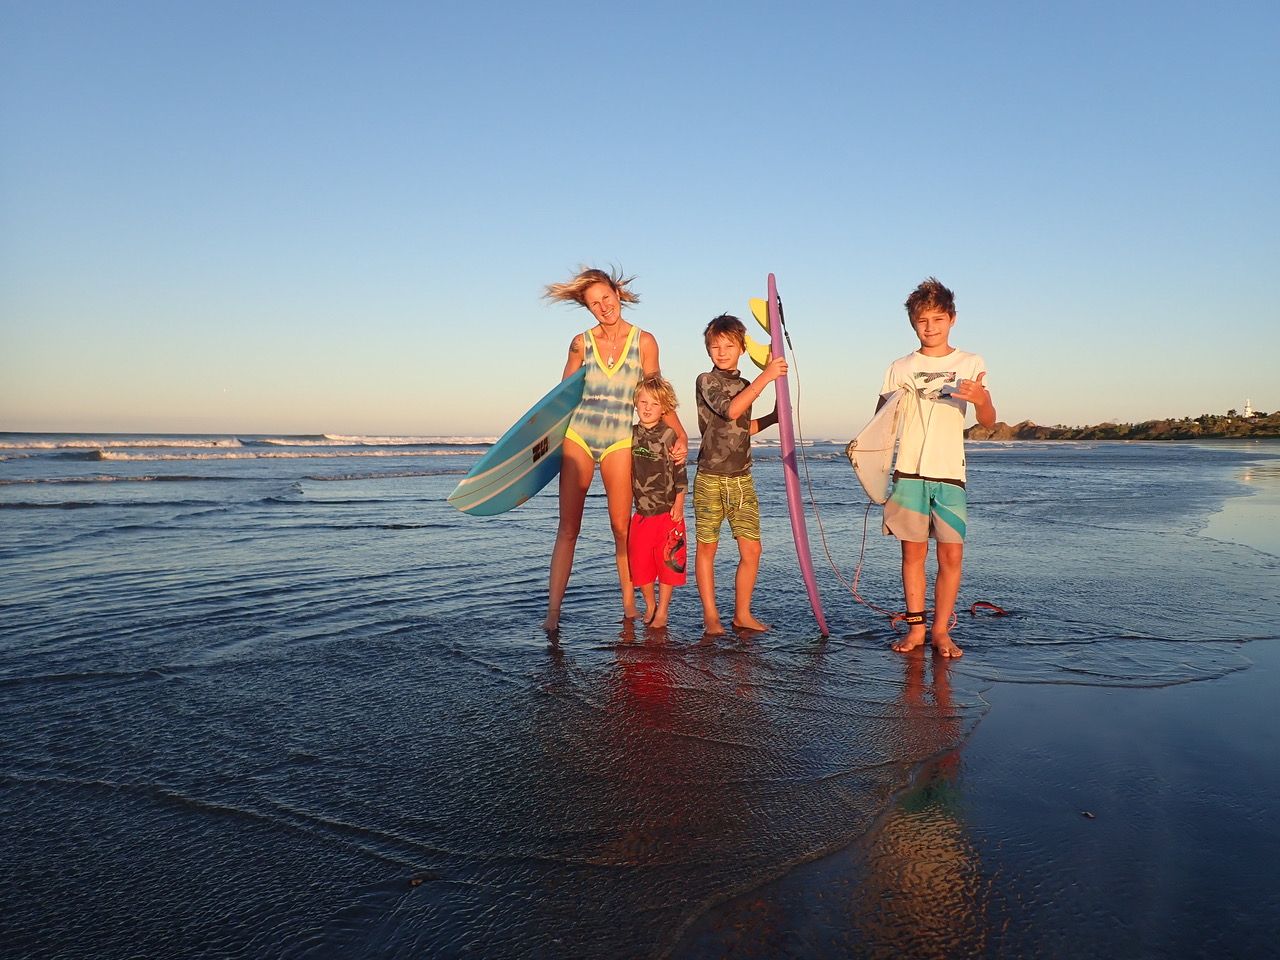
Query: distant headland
[{"x": 1207, "y": 426}]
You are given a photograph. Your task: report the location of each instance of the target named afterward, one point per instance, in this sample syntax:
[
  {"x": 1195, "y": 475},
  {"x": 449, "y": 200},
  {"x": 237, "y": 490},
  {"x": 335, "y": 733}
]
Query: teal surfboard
[{"x": 525, "y": 458}]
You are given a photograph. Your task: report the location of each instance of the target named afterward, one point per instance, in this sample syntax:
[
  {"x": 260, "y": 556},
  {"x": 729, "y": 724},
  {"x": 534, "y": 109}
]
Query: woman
[{"x": 618, "y": 355}]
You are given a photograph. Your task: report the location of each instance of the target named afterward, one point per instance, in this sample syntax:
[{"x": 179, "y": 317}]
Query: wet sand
[
  {"x": 1253, "y": 520},
  {"x": 1076, "y": 821},
  {"x": 269, "y": 708}
]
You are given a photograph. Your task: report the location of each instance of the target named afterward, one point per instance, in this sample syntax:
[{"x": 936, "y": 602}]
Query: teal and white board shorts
[{"x": 920, "y": 509}]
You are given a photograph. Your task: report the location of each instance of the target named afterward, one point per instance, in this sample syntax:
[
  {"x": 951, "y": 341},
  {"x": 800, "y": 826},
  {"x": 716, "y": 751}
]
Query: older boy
[
  {"x": 928, "y": 497},
  {"x": 723, "y": 488}
]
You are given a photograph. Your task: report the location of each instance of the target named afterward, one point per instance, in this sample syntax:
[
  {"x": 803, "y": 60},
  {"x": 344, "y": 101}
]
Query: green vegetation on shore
[{"x": 1207, "y": 426}]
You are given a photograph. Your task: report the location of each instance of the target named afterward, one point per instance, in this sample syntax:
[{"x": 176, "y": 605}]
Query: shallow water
[
  {"x": 280, "y": 699},
  {"x": 1074, "y": 822}
]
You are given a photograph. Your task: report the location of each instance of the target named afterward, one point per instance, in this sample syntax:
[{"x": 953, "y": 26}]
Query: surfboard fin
[{"x": 758, "y": 352}]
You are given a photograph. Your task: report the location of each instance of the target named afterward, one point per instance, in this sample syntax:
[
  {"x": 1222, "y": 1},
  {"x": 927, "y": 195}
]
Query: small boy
[
  {"x": 656, "y": 541},
  {"x": 723, "y": 488},
  {"x": 928, "y": 497}
]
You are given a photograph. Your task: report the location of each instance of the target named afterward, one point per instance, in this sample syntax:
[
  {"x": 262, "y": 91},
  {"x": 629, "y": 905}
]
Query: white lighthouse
[{"x": 1248, "y": 409}]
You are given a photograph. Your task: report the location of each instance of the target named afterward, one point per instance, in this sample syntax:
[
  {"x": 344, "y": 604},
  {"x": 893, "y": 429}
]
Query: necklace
[{"x": 614, "y": 343}]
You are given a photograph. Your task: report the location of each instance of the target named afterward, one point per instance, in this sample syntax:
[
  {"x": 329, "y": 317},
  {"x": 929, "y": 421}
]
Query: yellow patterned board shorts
[{"x": 717, "y": 498}]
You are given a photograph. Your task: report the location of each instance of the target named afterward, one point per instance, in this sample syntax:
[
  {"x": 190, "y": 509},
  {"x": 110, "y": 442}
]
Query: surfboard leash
[
  {"x": 804, "y": 459},
  {"x": 786, "y": 335},
  {"x": 975, "y": 608},
  {"x": 894, "y": 617},
  {"x": 852, "y": 587}
]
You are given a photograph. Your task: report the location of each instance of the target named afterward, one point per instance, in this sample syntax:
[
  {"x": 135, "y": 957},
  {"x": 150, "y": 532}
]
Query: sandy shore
[
  {"x": 1077, "y": 821},
  {"x": 1253, "y": 520}
]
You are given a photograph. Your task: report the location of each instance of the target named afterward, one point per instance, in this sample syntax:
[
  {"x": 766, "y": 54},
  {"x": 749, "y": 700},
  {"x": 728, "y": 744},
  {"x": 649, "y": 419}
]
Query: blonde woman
[{"x": 617, "y": 355}]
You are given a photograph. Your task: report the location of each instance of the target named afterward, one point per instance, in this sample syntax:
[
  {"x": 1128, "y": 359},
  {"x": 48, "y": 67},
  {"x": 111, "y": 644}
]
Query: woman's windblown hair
[{"x": 574, "y": 291}]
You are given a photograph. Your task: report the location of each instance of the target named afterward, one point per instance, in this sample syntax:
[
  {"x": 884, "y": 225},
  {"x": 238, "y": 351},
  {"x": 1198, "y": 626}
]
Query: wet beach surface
[{"x": 295, "y": 708}]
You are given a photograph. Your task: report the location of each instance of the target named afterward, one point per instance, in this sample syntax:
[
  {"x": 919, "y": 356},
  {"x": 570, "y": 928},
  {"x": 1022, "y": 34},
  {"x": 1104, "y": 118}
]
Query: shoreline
[{"x": 1253, "y": 518}]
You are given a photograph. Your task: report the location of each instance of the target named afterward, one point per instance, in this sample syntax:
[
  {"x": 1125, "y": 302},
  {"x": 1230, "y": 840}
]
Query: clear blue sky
[{"x": 319, "y": 217}]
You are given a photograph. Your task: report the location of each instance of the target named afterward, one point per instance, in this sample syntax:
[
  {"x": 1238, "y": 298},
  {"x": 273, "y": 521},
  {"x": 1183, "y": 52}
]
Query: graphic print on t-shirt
[{"x": 930, "y": 383}]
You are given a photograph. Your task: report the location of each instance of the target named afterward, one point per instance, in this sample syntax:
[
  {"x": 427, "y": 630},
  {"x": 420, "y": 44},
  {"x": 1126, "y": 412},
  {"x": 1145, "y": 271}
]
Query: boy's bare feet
[
  {"x": 712, "y": 627},
  {"x": 914, "y": 639},
  {"x": 630, "y": 611},
  {"x": 658, "y": 621},
  {"x": 750, "y": 623},
  {"x": 944, "y": 646}
]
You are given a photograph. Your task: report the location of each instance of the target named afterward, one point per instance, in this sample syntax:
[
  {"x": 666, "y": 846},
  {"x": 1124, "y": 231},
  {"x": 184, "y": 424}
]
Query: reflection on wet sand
[
  {"x": 923, "y": 890},
  {"x": 912, "y": 887},
  {"x": 682, "y": 762},
  {"x": 646, "y": 771}
]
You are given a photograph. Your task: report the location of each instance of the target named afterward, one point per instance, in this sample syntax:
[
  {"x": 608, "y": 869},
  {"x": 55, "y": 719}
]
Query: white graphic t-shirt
[{"x": 932, "y": 443}]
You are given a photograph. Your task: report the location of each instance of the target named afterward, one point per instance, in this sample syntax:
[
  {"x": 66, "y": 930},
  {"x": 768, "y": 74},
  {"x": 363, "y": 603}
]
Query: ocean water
[{"x": 273, "y": 696}]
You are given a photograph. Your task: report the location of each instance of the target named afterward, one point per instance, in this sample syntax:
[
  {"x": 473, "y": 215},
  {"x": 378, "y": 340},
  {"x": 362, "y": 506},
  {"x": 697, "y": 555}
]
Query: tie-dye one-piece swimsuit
[{"x": 602, "y": 422}]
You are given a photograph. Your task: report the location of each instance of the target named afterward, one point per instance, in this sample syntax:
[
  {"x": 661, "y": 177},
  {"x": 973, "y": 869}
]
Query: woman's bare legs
[
  {"x": 575, "y": 479},
  {"x": 615, "y": 470}
]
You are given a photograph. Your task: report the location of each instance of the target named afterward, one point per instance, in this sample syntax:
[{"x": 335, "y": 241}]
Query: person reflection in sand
[
  {"x": 676, "y": 770},
  {"x": 643, "y": 679},
  {"x": 648, "y": 796},
  {"x": 923, "y": 890}
]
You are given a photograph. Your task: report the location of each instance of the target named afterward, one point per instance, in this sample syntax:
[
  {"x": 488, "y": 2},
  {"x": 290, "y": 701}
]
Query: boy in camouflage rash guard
[
  {"x": 723, "y": 488},
  {"x": 656, "y": 539}
]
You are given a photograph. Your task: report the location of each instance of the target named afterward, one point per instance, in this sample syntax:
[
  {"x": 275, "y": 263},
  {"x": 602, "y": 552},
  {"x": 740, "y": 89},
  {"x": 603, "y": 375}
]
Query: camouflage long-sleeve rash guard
[
  {"x": 726, "y": 444},
  {"x": 655, "y": 477}
]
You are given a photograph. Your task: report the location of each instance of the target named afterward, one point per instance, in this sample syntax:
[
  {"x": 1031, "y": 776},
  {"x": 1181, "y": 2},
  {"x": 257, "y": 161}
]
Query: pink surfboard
[{"x": 791, "y": 476}]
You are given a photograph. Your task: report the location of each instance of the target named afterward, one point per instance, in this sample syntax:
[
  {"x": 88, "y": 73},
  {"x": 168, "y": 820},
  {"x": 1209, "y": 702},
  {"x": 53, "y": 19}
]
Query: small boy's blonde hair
[{"x": 658, "y": 388}]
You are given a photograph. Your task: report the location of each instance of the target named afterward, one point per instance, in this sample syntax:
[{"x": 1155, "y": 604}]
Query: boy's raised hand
[
  {"x": 774, "y": 368},
  {"x": 973, "y": 391}
]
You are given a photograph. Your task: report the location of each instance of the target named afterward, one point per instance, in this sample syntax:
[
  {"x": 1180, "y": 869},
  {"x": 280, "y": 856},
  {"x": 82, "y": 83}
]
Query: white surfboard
[{"x": 871, "y": 451}]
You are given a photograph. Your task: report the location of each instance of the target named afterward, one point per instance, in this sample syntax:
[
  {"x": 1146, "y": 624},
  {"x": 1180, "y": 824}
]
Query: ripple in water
[{"x": 329, "y": 726}]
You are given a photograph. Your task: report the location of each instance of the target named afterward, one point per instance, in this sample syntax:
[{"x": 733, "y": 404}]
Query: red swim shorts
[{"x": 656, "y": 550}]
